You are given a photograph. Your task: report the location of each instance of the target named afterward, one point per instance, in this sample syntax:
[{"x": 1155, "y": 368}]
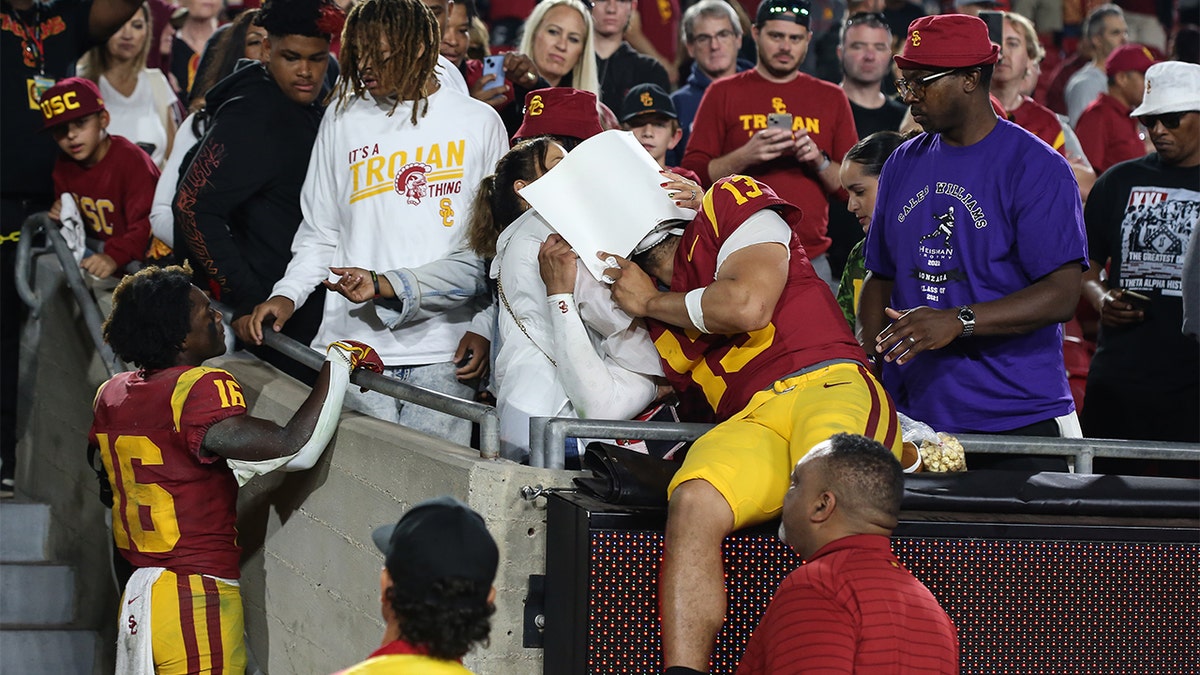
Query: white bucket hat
[{"x": 1171, "y": 86}]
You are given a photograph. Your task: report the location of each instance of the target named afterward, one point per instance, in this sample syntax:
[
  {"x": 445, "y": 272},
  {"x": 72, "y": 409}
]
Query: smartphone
[
  {"x": 494, "y": 65},
  {"x": 995, "y": 25},
  {"x": 1136, "y": 299},
  {"x": 779, "y": 121}
]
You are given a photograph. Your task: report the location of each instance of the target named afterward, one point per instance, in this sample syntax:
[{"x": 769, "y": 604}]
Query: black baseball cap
[
  {"x": 797, "y": 11},
  {"x": 646, "y": 99},
  {"x": 441, "y": 538}
]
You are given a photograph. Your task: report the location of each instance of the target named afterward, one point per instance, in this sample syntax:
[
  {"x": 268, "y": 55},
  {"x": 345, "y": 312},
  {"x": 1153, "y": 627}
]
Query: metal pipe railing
[
  {"x": 547, "y": 438},
  {"x": 92, "y": 319},
  {"x": 548, "y": 435},
  {"x": 484, "y": 415},
  {"x": 1084, "y": 450}
]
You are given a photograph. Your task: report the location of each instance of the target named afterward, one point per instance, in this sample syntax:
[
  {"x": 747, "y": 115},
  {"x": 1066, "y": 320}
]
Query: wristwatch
[
  {"x": 967, "y": 316},
  {"x": 825, "y": 162}
]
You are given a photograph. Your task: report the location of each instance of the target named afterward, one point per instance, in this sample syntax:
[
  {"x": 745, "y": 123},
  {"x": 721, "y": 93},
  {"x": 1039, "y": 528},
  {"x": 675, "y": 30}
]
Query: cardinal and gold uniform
[
  {"x": 776, "y": 391},
  {"x": 175, "y": 507}
]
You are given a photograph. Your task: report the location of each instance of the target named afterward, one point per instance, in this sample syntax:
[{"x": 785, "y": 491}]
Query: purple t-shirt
[{"x": 961, "y": 225}]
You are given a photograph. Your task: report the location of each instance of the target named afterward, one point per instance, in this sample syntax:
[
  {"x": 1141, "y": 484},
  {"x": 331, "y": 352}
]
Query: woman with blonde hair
[
  {"x": 138, "y": 99},
  {"x": 558, "y": 37}
]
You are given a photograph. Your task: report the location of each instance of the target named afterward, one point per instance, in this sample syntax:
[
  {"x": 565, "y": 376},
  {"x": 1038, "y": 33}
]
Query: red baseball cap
[
  {"x": 559, "y": 111},
  {"x": 68, "y": 100},
  {"x": 1128, "y": 57},
  {"x": 947, "y": 41}
]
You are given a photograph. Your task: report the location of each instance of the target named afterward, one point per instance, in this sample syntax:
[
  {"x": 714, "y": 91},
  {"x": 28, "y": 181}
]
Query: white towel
[
  {"x": 331, "y": 410},
  {"x": 72, "y": 226},
  {"x": 135, "y": 647}
]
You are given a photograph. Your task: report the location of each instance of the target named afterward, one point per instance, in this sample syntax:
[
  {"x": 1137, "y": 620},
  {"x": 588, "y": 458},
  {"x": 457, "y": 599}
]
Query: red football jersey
[
  {"x": 806, "y": 328},
  {"x": 1038, "y": 120},
  {"x": 173, "y": 506}
]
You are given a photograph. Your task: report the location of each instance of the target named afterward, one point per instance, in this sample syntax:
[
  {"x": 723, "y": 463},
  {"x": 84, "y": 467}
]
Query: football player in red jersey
[
  {"x": 749, "y": 331},
  {"x": 171, "y": 436}
]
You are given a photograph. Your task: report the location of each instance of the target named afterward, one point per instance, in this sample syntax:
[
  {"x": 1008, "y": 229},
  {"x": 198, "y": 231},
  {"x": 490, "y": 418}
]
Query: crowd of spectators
[{"x": 964, "y": 187}]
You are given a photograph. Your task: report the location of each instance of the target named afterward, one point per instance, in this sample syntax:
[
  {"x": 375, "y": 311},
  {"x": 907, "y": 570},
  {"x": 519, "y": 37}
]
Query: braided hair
[{"x": 412, "y": 37}]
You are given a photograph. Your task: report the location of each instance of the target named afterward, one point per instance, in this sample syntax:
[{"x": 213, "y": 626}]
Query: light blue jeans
[{"x": 435, "y": 376}]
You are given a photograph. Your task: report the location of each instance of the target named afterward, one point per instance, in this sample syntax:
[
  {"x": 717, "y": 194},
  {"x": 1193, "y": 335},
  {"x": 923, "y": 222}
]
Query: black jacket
[{"x": 238, "y": 203}]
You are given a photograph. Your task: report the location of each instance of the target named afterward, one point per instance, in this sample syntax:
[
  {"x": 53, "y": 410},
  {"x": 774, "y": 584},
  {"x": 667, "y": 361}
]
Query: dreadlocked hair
[
  {"x": 496, "y": 203},
  {"x": 412, "y": 35},
  {"x": 151, "y": 316}
]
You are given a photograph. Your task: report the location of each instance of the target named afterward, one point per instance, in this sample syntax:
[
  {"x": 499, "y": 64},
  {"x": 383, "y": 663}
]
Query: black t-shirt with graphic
[
  {"x": 1141, "y": 215},
  {"x": 38, "y": 46}
]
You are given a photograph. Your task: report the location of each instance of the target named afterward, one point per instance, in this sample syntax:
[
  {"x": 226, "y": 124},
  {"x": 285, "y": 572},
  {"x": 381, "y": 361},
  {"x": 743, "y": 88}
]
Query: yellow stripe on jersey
[
  {"x": 709, "y": 211},
  {"x": 183, "y": 387},
  {"x": 199, "y": 608},
  {"x": 99, "y": 390},
  {"x": 1060, "y": 139}
]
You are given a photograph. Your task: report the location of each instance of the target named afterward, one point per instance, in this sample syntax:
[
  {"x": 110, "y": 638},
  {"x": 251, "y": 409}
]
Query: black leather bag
[{"x": 624, "y": 476}]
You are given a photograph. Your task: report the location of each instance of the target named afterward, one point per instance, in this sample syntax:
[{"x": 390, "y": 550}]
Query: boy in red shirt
[{"x": 111, "y": 179}]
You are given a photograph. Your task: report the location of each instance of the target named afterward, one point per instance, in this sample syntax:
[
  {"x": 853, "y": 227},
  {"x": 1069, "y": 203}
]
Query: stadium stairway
[{"x": 38, "y": 635}]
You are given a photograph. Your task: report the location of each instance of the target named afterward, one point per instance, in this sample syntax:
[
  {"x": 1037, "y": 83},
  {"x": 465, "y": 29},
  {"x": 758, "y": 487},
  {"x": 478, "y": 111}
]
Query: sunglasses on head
[
  {"x": 869, "y": 18},
  {"x": 1169, "y": 120}
]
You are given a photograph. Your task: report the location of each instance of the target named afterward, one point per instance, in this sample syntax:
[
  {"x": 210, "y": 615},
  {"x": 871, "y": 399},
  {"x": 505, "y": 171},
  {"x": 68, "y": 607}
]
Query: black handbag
[{"x": 624, "y": 476}]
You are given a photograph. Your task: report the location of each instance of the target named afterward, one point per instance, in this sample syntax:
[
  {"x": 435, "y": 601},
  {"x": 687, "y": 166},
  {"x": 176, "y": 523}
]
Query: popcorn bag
[{"x": 929, "y": 450}]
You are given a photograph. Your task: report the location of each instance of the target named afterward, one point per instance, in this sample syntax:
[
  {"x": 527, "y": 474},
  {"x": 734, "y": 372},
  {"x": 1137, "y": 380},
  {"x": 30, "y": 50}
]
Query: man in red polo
[
  {"x": 1105, "y": 129},
  {"x": 851, "y": 607}
]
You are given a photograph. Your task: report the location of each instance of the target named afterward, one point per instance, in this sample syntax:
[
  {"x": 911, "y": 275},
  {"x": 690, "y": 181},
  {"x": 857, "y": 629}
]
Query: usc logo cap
[{"x": 68, "y": 100}]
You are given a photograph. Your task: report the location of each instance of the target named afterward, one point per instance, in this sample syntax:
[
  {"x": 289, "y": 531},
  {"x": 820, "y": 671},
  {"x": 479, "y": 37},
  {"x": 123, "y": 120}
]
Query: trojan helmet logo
[
  {"x": 536, "y": 106},
  {"x": 411, "y": 182},
  {"x": 915, "y": 38},
  {"x": 647, "y": 100},
  {"x": 778, "y": 105}
]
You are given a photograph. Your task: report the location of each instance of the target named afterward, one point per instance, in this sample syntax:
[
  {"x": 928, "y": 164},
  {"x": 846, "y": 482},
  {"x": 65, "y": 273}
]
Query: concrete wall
[
  {"x": 310, "y": 574},
  {"x": 59, "y": 376}
]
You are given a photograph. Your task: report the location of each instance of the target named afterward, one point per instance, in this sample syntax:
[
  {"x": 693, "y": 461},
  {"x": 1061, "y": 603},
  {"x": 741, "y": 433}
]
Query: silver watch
[{"x": 967, "y": 316}]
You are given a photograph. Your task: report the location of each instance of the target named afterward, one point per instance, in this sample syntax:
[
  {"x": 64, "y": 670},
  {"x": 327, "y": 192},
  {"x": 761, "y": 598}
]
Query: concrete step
[
  {"x": 23, "y": 531},
  {"x": 47, "y": 652},
  {"x": 37, "y": 594}
]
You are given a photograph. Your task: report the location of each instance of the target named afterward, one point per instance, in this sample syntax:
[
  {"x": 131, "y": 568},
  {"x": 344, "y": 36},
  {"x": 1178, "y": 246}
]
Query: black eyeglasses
[
  {"x": 873, "y": 19},
  {"x": 705, "y": 39},
  {"x": 916, "y": 88},
  {"x": 1169, "y": 120}
]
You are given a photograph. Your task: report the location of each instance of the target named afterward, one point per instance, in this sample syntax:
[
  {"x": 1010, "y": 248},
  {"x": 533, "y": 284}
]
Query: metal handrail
[
  {"x": 1084, "y": 450},
  {"x": 547, "y": 438},
  {"x": 548, "y": 435},
  {"x": 484, "y": 415},
  {"x": 92, "y": 319}
]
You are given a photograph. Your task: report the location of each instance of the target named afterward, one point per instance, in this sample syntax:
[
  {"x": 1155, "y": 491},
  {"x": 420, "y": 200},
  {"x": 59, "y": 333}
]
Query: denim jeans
[{"x": 435, "y": 376}]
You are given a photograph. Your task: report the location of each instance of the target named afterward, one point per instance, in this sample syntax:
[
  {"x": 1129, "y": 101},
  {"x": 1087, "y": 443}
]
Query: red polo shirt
[
  {"x": 853, "y": 608},
  {"x": 1108, "y": 134}
]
